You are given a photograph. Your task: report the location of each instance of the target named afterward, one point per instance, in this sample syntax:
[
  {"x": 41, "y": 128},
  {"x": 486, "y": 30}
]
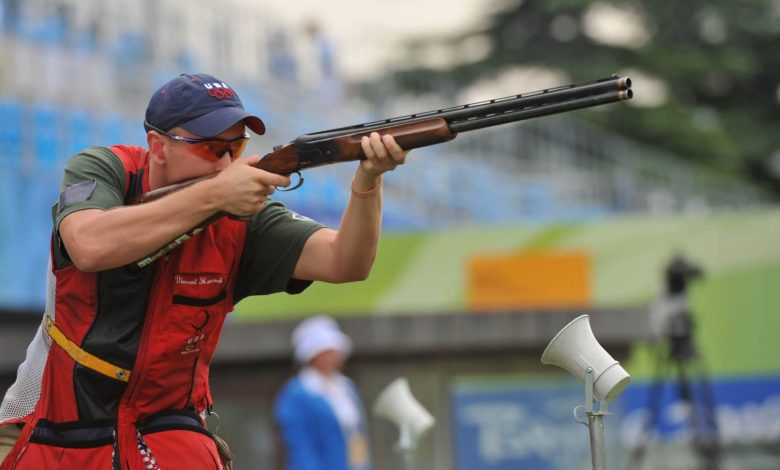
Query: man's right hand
[{"x": 241, "y": 189}]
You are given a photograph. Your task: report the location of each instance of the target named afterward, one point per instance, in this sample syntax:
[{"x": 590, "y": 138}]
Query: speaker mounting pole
[
  {"x": 406, "y": 445},
  {"x": 595, "y": 423}
]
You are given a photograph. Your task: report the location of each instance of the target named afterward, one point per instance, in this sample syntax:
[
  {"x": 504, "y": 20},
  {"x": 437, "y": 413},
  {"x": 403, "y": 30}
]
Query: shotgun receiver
[{"x": 413, "y": 131}]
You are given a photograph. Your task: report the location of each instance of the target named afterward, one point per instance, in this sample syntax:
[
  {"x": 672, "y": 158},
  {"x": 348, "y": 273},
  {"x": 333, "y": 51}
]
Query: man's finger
[
  {"x": 365, "y": 142},
  {"x": 266, "y": 191},
  {"x": 268, "y": 178},
  {"x": 378, "y": 145},
  {"x": 395, "y": 150}
]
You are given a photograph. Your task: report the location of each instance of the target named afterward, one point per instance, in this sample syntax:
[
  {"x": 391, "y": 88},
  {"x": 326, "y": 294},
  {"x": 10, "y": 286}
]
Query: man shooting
[{"x": 117, "y": 376}]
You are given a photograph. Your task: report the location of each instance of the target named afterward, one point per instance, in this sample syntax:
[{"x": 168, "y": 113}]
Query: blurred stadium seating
[{"x": 554, "y": 169}]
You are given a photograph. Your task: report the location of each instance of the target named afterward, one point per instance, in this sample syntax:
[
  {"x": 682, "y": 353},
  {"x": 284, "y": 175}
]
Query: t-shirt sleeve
[
  {"x": 93, "y": 179},
  {"x": 274, "y": 241}
]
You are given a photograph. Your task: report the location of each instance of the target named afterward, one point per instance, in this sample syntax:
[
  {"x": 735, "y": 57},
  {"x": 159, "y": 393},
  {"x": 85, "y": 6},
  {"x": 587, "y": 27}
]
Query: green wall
[{"x": 736, "y": 305}]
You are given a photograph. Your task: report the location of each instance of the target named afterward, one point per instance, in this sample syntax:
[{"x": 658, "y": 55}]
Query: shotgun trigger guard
[{"x": 298, "y": 183}]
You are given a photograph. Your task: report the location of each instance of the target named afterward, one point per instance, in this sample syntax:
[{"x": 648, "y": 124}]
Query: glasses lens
[
  {"x": 237, "y": 148},
  {"x": 213, "y": 150}
]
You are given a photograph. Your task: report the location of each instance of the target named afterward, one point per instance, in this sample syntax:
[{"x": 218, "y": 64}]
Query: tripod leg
[
  {"x": 711, "y": 423},
  {"x": 702, "y": 417},
  {"x": 707, "y": 420},
  {"x": 650, "y": 423}
]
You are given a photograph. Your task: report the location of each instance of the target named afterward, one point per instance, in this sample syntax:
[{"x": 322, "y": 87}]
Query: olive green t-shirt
[{"x": 95, "y": 179}]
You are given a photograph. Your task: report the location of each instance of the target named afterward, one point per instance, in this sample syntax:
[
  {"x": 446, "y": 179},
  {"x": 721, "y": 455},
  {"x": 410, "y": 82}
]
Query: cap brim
[{"x": 222, "y": 119}]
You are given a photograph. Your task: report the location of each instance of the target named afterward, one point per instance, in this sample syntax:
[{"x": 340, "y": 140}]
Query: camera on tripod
[
  {"x": 678, "y": 322},
  {"x": 672, "y": 321},
  {"x": 678, "y": 273}
]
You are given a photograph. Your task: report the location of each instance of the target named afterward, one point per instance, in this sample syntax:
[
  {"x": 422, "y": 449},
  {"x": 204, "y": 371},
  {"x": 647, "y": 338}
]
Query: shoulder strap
[{"x": 135, "y": 161}]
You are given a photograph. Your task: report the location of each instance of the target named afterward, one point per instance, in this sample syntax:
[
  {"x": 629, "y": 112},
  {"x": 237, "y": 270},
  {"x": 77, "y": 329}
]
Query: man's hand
[
  {"x": 241, "y": 189},
  {"x": 382, "y": 154}
]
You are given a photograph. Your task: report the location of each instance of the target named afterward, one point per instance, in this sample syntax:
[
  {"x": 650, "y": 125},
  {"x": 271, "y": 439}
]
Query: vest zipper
[
  {"x": 132, "y": 386},
  {"x": 198, "y": 330},
  {"x": 192, "y": 382}
]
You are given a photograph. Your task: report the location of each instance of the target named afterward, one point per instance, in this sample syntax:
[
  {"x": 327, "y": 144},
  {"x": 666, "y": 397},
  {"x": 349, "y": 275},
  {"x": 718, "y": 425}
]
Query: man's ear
[{"x": 156, "y": 145}]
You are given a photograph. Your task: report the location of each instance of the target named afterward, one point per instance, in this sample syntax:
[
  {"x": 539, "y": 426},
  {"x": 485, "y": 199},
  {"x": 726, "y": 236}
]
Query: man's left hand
[{"x": 382, "y": 154}]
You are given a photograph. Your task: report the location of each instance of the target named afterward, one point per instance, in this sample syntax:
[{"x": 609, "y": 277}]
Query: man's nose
[{"x": 224, "y": 161}]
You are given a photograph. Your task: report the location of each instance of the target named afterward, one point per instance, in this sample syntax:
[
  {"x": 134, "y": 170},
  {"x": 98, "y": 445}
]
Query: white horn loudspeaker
[
  {"x": 576, "y": 349},
  {"x": 397, "y": 404}
]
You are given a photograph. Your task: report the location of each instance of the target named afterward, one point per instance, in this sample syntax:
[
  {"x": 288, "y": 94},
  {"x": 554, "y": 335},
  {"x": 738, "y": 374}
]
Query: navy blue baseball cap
[{"x": 199, "y": 103}]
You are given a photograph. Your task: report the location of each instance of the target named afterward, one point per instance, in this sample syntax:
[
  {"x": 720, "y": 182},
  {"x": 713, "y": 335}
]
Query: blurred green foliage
[{"x": 717, "y": 59}]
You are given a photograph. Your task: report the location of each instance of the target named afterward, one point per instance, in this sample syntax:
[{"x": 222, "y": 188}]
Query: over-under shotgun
[{"x": 413, "y": 131}]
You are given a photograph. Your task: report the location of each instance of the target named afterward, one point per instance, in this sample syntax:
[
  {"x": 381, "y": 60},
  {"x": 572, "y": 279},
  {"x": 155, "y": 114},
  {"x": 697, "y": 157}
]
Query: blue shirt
[{"x": 311, "y": 433}]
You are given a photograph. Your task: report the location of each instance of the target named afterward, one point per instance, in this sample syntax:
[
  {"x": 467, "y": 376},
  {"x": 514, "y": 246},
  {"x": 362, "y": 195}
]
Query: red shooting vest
[{"x": 161, "y": 322}]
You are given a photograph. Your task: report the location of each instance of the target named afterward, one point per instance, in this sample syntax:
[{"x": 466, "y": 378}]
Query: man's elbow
[
  {"x": 87, "y": 257},
  {"x": 87, "y": 262},
  {"x": 360, "y": 275},
  {"x": 353, "y": 274}
]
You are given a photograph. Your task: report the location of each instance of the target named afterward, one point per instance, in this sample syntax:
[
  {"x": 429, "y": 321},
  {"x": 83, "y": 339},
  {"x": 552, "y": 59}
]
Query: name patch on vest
[
  {"x": 208, "y": 288},
  {"x": 199, "y": 279}
]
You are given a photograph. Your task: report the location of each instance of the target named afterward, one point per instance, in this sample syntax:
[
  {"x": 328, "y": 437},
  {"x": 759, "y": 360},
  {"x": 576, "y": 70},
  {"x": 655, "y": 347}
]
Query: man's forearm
[
  {"x": 349, "y": 253},
  {"x": 358, "y": 235},
  {"x": 100, "y": 240}
]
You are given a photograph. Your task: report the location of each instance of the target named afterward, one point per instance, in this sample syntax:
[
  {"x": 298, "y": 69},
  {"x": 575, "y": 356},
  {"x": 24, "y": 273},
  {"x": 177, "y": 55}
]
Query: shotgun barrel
[
  {"x": 414, "y": 130},
  {"x": 610, "y": 89}
]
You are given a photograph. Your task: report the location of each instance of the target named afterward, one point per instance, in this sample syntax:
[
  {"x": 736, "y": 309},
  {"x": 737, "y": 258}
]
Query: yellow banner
[{"x": 529, "y": 280}]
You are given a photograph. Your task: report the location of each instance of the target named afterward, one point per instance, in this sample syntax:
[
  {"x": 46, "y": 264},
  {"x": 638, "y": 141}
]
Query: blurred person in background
[
  {"x": 319, "y": 411},
  {"x": 322, "y": 67},
  {"x": 282, "y": 62},
  {"x": 117, "y": 374}
]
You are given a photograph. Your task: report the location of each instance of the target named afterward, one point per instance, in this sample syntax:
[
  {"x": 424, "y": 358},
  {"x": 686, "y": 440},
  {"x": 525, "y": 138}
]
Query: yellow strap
[{"x": 82, "y": 357}]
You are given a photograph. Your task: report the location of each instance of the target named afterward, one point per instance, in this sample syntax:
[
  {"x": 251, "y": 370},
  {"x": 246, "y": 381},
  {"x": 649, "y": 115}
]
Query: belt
[
  {"x": 83, "y": 357},
  {"x": 96, "y": 433},
  {"x": 74, "y": 434}
]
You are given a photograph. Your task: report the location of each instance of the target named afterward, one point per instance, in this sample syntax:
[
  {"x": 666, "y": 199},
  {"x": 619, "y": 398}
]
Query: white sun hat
[{"x": 317, "y": 334}]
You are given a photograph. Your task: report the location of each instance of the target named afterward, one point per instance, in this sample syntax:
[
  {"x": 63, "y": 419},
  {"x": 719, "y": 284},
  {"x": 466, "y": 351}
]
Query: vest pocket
[
  {"x": 198, "y": 301},
  {"x": 178, "y": 439},
  {"x": 68, "y": 445}
]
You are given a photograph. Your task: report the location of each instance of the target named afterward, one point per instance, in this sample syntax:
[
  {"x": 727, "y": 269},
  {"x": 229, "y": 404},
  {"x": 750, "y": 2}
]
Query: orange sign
[{"x": 529, "y": 280}]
